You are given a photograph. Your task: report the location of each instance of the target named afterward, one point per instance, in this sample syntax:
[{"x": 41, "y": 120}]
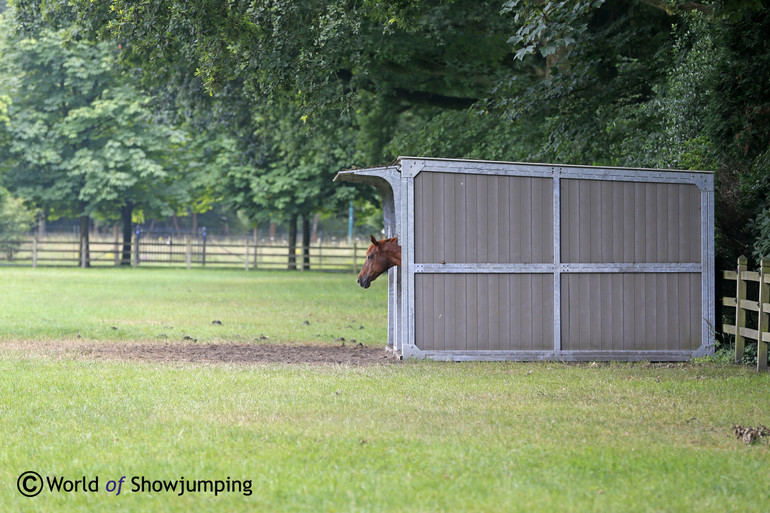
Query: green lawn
[
  {"x": 162, "y": 304},
  {"x": 418, "y": 436}
]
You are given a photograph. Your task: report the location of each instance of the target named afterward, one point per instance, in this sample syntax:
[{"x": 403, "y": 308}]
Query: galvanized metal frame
[{"x": 397, "y": 186}]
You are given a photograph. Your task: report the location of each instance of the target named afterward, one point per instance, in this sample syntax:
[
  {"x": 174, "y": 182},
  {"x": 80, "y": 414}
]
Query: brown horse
[{"x": 381, "y": 256}]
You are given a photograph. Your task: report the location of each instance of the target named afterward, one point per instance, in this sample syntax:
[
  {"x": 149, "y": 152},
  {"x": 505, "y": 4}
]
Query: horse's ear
[{"x": 374, "y": 241}]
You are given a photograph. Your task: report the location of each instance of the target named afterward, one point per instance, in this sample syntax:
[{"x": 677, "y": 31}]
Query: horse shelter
[{"x": 521, "y": 261}]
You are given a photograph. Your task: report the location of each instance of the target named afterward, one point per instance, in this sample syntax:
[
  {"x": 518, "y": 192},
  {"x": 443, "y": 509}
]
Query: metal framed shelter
[{"x": 520, "y": 261}]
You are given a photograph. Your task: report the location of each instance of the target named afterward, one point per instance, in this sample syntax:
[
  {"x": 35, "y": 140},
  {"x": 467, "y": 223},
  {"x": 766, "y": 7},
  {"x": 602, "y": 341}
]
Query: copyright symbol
[{"x": 29, "y": 483}]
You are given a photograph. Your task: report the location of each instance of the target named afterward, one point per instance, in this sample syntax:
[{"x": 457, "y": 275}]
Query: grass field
[
  {"x": 162, "y": 304},
  {"x": 416, "y": 436}
]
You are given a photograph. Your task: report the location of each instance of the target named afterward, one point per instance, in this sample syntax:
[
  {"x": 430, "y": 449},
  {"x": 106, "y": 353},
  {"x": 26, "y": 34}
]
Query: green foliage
[
  {"x": 15, "y": 222},
  {"x": 297, "y": 90},
  {"x": 459, "y": 134},
  {"x": 81, "y": 141},
  {"x": 548, "y": 28},
  {"x": 759, "y": 187},
  {"x": 682, "y": 105},
  {"x": 584, "y": 100}
]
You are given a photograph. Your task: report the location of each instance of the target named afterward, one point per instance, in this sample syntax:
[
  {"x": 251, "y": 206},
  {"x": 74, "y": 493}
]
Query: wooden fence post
[
  {"x": 764, "y": 312},
  {"x": 203, "y": 250},
  {"x": 135, "y": 250},
  {"x": 740, "y": 313},
  {"x": 246, "y": 260},
  {"x": 116, "y": 247},
  {"x": 188, "y": 251},
  {"x": 355, "y": 255},
  {"x": 83, "y": 252},
  {"x": 34, "y": 252}
]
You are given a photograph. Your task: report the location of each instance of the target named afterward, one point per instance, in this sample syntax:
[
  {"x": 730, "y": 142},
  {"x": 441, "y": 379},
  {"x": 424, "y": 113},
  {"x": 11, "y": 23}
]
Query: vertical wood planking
[
  {"x": 635, "y": 312},
  {"x": 694, "y": 232},
  {"x": 489, "y": 312},
  {"x": 631, "y": 222},
  {"x": 481, "y": 230},
  {"x": 471, "y": 309},
  {"x": 525, "y": 219},
  {"x": 424, "y": 313},
  {"x": 495, "y": 224},
  {"x": 506, "y": 226},
  {"x": 469, "y": 218},
  {"x": 594, "y": 246},
  {"x": 493, "y": 307},
  {"x": 674, "y": 252},
  {"x": 566, "y": 196},
  {"x": 509, "y": 219},
  {"x": 505, "y": 313},
  {"x": 439, "y": 333},
  {"x": 607, "y": 221}
]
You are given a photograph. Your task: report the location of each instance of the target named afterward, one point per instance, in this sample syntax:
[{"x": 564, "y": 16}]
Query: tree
[
  {"x": 82, "y": 141},
  {"x": 290, "y": 177},
  {"x": 574, "y": 81},
  {"x": 15, "y": 222},
  {"x": 302, "y": 69}
]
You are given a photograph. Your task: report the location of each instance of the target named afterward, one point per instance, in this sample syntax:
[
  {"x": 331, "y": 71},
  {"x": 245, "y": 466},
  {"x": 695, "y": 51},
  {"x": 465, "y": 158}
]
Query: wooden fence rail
[
  {"x": 742, "y": 304},
  {"x": 184, "y": 252}
]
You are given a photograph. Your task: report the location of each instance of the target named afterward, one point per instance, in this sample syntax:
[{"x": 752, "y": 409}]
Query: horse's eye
[{"x": 370, "y": 257}]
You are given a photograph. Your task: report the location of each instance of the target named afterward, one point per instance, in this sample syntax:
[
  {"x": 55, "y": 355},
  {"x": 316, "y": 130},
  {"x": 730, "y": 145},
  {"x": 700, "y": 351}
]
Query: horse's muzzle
[{"x": 364, "y": 282}]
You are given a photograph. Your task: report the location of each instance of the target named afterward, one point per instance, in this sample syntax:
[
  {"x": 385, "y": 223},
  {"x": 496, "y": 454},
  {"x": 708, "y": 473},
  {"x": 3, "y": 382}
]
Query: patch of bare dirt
[
  {"x": 236, "y": 353},
  {"x": 187, "y": 352}
]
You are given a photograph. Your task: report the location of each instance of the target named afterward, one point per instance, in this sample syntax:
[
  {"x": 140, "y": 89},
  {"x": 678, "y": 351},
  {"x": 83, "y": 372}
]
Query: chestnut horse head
[{"x": 381, "y": 256}]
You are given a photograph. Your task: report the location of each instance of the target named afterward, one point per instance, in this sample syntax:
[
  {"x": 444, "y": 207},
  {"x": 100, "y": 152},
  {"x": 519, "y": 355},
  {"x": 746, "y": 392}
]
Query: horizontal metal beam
[
  {"x": 483, "y": 268},
  {"x": 467, "y": 268},
  {"x": 691, "y": 267},
  {"x": 566, "y": 356}
]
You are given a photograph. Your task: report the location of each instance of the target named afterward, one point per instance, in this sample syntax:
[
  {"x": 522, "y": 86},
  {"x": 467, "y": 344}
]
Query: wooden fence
[
  {"x": 185, "y": 252},
  {"x": 742, "y": 303}
]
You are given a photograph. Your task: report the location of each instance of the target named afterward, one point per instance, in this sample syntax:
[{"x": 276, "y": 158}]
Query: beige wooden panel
[
  {"x": 484, "y": 312},
  {"x": 614, "y": 222},
  {"x": 471, "y": 218},
  {"x": 631, "y": 311}
]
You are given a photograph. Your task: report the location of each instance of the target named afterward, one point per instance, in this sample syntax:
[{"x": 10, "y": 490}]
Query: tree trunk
[
  {"x": 177, "y": 229},
  {"x": 293, "y": 243},
  {"x": 314, "y": 231},
  {"x": 305, "y": 242},
  {"x": 126, "y": 214},
  {"x": 83, "y": 252},
  {"x": 40, "y": 224},
  {"x": 116, "y": 242}
]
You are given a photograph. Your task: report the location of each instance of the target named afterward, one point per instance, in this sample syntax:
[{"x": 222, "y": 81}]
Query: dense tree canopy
[
  {"x": 79, "y": 137},
  {"x": 296, "y": 90}
]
